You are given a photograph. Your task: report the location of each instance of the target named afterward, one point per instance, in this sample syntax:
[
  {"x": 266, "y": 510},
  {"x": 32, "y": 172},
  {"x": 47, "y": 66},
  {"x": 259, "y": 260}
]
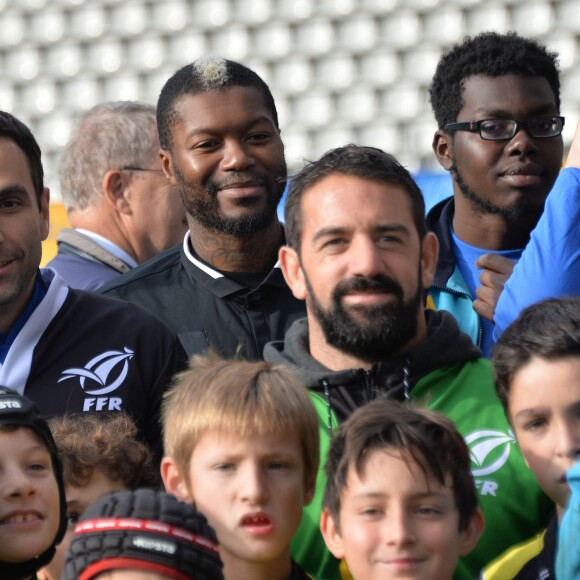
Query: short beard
[
  {"x": 373, "y": 333},
  {"x": 515, "y": 212},
  {"x": 205, "y": 209}
]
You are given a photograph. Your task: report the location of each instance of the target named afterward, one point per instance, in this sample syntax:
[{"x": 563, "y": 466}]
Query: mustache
[
  {"x": 380, "y": 282},
  {"x": 214, "y": 186}
]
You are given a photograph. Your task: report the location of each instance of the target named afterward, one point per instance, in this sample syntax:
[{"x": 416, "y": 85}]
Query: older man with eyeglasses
[
  {"x": 496, "y": 99},
  {"x": 122, "y": 208}
]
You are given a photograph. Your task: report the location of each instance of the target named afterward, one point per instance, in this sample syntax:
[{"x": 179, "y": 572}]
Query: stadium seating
[{"x": 340, "y": 70}]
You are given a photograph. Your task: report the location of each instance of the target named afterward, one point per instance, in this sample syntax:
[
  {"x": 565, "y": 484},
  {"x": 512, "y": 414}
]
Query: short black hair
[
  {"x": 490, "y": 54},
  {"x": 549, "y": 329},
  {"x": 365, "y": 162},
  {"x": 201, "y": 76},
  {"x": 15, "y": 130}
]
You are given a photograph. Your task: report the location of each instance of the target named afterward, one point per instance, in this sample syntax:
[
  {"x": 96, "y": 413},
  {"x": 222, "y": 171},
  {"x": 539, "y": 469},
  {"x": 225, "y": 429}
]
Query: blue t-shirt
[
  {"x": 550, "y": 264},
  {"x": 467, "y": 255}
]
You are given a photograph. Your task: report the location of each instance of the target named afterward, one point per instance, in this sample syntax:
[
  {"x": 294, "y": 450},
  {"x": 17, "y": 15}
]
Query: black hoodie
[{"x": 394, "y": 376}]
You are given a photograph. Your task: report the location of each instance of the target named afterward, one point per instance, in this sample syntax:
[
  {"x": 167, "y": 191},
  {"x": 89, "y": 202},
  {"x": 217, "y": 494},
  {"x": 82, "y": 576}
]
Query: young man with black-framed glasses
[{"x": 496, "y": 99}]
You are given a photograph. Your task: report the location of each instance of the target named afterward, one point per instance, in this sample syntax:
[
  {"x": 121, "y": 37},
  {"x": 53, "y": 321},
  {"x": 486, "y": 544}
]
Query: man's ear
[
  {"x": 167, "y": 166},
  {"x": 470, "y": 536},
  {"x": 443, "y": 149},
  {"x": 292, "y": 270},
  {"x": 44, "y": 203},
  {"x": 114, "y": 187},
  {"x": 331, "y": 535},
  {"x": 173, "y": 481},
  {"x": 429, "y": 257}
]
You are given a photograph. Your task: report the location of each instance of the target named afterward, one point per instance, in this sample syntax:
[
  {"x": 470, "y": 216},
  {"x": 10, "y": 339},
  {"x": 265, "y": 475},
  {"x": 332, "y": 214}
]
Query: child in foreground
[
  {"x": 536, "y": 365},
  {"x": 400, "y": 500},
  {"x": 32, "y": 502},
  {"x": 99, "y": 454},
  {"x": 241, "y": 444}
]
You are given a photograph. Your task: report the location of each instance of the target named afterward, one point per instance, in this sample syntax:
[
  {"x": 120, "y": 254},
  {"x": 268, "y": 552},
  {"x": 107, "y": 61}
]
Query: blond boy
[
  {"x": 241, "y": 444},
  {"x": 400, "y": 500}
]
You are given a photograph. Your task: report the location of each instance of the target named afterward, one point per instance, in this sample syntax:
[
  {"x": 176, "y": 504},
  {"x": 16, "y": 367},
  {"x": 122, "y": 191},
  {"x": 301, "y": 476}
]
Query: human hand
[{"x": 496, "y": 270}]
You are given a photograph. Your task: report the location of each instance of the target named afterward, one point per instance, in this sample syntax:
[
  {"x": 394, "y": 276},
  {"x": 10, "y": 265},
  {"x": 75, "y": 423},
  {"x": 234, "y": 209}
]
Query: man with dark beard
[
  {"x": 360, "y": 255},
  {"x": 496, "y": 99},
  {"x": 221, "y": 147}
]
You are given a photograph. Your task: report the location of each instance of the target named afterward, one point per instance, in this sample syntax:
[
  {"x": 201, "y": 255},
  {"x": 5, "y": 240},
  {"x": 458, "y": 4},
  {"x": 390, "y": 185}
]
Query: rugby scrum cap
[
  {"x": 18, "y": 411},
  {"x": 143, "y": 530}
]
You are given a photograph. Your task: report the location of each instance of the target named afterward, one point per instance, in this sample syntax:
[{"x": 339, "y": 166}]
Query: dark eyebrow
[
  {"x": 330, "y": 231},
  {"x": 15, "y": 189},
  {"x": 415, "y": 496},
  {"x": 529, "y": 413},
  {"x": 547, "y": 109},
  {"x": 371, "y": 495},
  {"x": 379, "y": 229},
  {"x": 397, "y": 228},
  {"x": 524, "y": 414},
  {"x": 210, "y": 130}
]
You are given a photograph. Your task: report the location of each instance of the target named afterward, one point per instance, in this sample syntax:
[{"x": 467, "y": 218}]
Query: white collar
[{"x": 110, "y": 247}]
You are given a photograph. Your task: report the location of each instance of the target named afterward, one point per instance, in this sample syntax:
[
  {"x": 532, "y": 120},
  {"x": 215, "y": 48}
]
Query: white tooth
[{"x": 19, "y": 518}]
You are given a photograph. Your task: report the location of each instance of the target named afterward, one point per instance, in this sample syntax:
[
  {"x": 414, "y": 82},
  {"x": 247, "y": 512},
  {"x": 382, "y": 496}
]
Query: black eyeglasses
[
  {"x": 130, "y": 168},
  {"x": 501, "y": 129}
]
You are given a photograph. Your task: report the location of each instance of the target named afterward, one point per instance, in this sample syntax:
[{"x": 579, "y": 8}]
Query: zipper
[
  {"x": 370, "y": 388},
  {"x": 406, "y": 384},
  {"x": 464, "y": 295},
  {"x": 325, "y": 386}
]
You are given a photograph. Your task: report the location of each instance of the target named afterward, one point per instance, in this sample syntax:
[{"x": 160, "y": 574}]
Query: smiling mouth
[
  {"x": 21, "y": 518},
  {"x": 241, "y": 184},
  {"x": 367, "y": 296},
  {"x": 405, "y": 561},
  {"x": 241, "y": 190}
]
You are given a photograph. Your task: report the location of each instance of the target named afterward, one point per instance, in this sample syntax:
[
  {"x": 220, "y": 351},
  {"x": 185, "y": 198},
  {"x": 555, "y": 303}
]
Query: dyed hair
[
  {"x": 549, "y": 329},
  {"x": 109, "y": 136},
  {"x": 14, "y": 130},
  {"x": 205, "y": 75},
  {"x": 92, "y": 441},
  {"x": 490, "y": 54},
  {"x": 364, "y": 162},
  {"x": 423, "y": 437},
  {"x": 239, "y": 397}
]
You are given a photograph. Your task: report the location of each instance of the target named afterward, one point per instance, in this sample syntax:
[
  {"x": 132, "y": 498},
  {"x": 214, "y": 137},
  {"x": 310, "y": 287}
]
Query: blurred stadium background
[{"x": 340, "y": 70}]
